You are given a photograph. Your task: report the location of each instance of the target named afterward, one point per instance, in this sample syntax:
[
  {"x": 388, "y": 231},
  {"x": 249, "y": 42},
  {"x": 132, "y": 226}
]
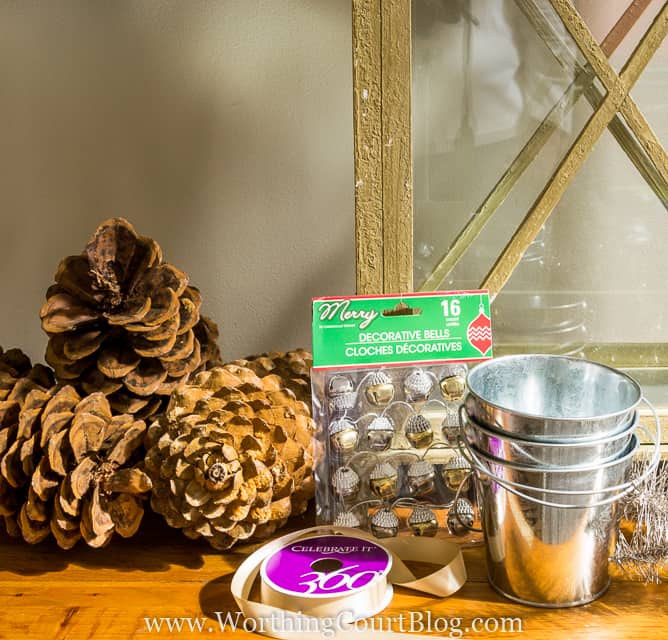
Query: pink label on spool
[{"x": 326, "y": 565}]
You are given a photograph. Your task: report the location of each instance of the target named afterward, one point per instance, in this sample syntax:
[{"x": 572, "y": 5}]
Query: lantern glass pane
[{"x": 488, "y": 81}]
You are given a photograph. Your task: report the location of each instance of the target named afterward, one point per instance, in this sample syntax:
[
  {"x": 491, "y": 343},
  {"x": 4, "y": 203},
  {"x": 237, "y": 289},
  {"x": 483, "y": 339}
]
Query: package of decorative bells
[{"x": 388, "y": 379}]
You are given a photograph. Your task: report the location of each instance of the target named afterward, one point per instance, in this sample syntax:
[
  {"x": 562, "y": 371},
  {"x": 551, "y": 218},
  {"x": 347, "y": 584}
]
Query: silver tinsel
[{"x": 644, "y": 554}]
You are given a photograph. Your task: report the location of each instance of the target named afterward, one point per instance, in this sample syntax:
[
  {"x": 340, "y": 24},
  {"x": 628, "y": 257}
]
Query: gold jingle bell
[
  {"x": 418, "y": 385},
  {"x": 343, "y": 435},
  {"x": 460, "y": 517},
  {"x": 418, "y": 431},
  {"x": 450, "y": 427},
  {"x": 423, "y": 522},
  {"x": 346, "y": 482},
  {"x": 379, "y": 390},
  {"x": 453, "y": 385},
  {"x": 384, "y": 523},
  {"x": 342, "y": 394},
  {"x": 421, "y": 478},
  {"x": 347, "y": 519},
  {"x": 454, "y": 472},
  {"x": 380, "y": 433},
  {"x": 383, "y": 480}
]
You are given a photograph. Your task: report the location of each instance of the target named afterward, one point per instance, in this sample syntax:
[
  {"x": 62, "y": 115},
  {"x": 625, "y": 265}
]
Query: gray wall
[{"x": 221, "y": 128}]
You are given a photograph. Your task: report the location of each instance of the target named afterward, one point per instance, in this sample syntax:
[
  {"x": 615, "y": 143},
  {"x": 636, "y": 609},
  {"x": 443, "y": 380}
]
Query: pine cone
[
  {"x": 231, "y": 458},
  {"x": 123, "y": 322},
  {"x": 14, "y": 365},
  {"x": 292, "y": 370},
  {"x": 69, "y": 468},
  {"x": 18, "y": 377}
]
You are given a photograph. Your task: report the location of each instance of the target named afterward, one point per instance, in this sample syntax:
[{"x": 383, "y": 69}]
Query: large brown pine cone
[
  {"x": 231, "y": 458},
  {"x": 292, "y": 367},
  {"x": 68, "y": 468},
  {"x": 123, "y": 322}
]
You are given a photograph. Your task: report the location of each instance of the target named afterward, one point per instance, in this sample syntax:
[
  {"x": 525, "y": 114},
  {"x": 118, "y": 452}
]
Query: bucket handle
[
  {"x": 477, "y": 463},
  {"x": 623, "y": 489}
]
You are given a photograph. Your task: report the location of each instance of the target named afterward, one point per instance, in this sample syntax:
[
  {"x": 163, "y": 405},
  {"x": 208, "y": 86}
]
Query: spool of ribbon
[{"x": 340, "y": 574}]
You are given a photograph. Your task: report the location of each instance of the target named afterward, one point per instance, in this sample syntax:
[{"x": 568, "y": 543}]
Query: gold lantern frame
[{"x": 383, "y": 151}]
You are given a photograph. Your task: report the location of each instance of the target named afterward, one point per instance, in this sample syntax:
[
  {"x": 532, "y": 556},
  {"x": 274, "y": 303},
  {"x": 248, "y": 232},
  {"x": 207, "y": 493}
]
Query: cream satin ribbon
[{"x": 443, "y": 582}]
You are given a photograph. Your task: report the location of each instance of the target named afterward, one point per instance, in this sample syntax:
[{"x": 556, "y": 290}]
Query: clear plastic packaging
[
  {"x": 388, "y": 380},
  {"x": 388, "y": 460}
]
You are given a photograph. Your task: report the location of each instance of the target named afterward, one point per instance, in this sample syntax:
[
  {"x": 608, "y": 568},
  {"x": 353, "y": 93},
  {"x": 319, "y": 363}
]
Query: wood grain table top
[{"x": 106, "y": 594}]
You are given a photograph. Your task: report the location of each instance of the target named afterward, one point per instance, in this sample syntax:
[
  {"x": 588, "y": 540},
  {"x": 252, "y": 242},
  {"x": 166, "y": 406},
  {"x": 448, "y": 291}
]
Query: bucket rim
[
  {"x": 571, "y": 442},
  {"x": 547, "y": 356},
  {"x": 629, "y": 452}
]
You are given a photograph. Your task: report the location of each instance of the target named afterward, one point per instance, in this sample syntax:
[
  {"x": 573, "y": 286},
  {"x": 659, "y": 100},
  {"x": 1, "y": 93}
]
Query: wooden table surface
[{"x": 46, "y": 593}]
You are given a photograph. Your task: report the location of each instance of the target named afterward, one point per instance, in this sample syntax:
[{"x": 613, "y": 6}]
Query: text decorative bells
[
  {"x": 346, "y": 482},
  {"x": 383, "y": 480},
  {"x": 384, "y": 523},
  {"x": 418, "y": 385},
  {"x": 380, "y": 433},
  {"x": 455, "y": 471},
  {"x": 341, "y": 393},
  {"x": 421, "y": 478},
  {"x": 343, "y": 435},
  {"x": 422, "y": 521},
  {"x": 347, "y": 519},
  {"x": 418, "y": 431},
  {"x": 453, "y": 385},
  {"x": 460, "y": 517},
  {"x": 379, "y": 390}
]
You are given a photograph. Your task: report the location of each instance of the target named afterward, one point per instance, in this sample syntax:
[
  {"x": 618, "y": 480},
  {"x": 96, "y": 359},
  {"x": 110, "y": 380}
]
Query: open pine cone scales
[
  {"x": 291, "y": 370},
  {"x": 18, "y": 377},
  {"x": 231, "y": 459},
  {"x": 15, "y": 365},
  {"x": 123, "y": 322},
  {"x": 68, "y": 468}
]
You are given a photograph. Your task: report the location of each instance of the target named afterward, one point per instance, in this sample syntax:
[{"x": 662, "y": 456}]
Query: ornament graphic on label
[{"x": 479, "y": 332}]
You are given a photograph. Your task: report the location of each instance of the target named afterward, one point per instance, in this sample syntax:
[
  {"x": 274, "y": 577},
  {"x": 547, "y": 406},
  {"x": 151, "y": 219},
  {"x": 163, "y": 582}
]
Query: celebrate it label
[{"x": 326, "y": 565}]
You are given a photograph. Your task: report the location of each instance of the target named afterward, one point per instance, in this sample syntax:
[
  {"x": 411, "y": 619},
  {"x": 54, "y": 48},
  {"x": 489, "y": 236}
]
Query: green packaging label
[{"x": 398, "y": 329}]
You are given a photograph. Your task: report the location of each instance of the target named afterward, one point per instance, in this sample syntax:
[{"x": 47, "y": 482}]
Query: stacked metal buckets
[{"x": 551, "y": 440}]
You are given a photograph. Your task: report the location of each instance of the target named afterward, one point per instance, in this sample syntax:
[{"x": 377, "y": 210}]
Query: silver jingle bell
[
  {"x": 342, "y": 394},
  {"x": 383, "y": 480},
  {"x": 339, "y": 385},
  {"x": 343, "y": 435},
  {"x": 418, "y": 385},
  {"x": 379, "y": 390},
  {"x": 418, "y": 431},
  {"x": 347, "y": 519},
  {"x": 421, "y": 478},
  {"x": 451, "y": 427},
  {"x": 454, "y": 472},
  {"x": 346, "y": 482},
  {"x": 460, "y": 517},
  {"x": 380, "y": 433},
  {"x": 384, "y": 523},
  {"x": 423, "y": 522},
  {"x": 453, "y": 384}
]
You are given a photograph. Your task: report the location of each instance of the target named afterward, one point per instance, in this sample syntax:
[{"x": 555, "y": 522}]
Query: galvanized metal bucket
[
  {"x": 546, "y": 556},
  {"x": 549, "y": 534},
  {"x": 568, "y": 453},
  {"x": 547, "y": 397}
]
